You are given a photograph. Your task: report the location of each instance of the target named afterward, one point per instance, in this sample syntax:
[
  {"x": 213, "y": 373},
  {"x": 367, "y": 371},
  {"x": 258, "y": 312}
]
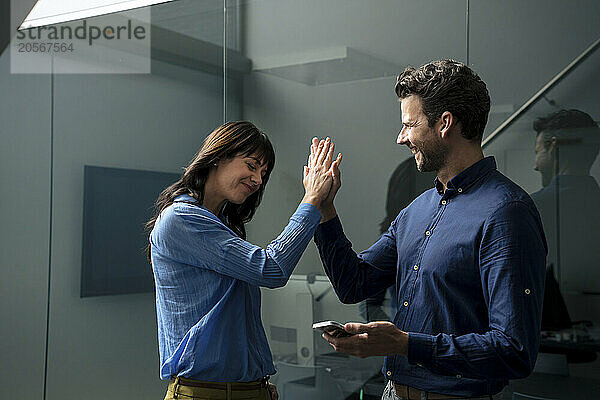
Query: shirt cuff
[
  {"x": 331, "y": 228},
  {"x": 307, "y": 211},
  {"x": 420, "y": 348}
]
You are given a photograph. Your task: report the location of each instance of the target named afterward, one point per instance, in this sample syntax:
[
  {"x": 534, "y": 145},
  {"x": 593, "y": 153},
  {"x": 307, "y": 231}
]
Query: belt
[
  {"x": 416, "y": 394},
  {"x": 233, "y": 386}
]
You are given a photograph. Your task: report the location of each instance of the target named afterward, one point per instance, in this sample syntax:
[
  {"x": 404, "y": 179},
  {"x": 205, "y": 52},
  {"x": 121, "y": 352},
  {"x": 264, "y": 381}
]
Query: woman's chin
[{"x": 239, "y": 200}]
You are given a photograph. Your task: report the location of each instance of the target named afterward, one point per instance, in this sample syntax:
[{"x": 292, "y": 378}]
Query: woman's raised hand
[{"x": 321, "y": 177}]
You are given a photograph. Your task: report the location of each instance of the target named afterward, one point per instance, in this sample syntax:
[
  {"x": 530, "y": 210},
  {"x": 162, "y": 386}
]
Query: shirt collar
[
  {"x": 463, "y": 181},
  {"x": 185, "y": 198}
]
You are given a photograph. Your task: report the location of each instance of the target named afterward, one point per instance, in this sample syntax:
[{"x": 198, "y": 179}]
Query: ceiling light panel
[{"x": 48, "y": 12}]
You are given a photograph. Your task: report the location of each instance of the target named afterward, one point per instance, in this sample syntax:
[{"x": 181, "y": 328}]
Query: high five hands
[
  {"x": 321, "y": 160},
  {"x": 322, "y": 180}
]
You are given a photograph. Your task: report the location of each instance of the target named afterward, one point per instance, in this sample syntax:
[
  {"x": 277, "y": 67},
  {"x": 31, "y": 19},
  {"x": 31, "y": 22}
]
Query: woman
[{"x": 211, "y": 340}]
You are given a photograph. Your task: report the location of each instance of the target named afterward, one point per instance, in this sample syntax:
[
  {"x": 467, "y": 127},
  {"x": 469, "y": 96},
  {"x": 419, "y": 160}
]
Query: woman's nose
[{"x": 257, "y": 178}]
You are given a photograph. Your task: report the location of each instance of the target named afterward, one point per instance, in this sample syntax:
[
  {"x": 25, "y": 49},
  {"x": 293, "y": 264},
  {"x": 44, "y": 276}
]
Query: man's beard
[{"x": 433, "y": 156}]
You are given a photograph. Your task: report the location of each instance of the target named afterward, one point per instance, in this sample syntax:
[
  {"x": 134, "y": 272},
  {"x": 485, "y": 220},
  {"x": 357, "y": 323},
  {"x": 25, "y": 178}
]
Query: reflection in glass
[
  {"x": 559, "y": 136},
  {"x": 567, "y": 145}
]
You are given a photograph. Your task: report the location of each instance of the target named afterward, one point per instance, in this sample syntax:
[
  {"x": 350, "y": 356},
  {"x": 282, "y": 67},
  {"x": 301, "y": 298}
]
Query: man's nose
[{"x": 402, "y": 137}]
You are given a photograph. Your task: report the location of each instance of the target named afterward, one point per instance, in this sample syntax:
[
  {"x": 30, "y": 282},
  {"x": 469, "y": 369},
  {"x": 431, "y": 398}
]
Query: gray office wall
[
  {"x": 518, "y": 47},
  {"x": 25, "y": 115}
]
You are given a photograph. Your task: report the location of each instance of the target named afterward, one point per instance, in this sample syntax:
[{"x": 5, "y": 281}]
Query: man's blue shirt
[
  {"x": 207, "y": 291},
  {"x": 468, "y": 264}
]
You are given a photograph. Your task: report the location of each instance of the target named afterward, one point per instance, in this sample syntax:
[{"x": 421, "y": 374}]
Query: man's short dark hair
[
  {"x": 563, "y": 119},
  {"x": 448, "y": 85},
  {"x": 577, "y": 133}
]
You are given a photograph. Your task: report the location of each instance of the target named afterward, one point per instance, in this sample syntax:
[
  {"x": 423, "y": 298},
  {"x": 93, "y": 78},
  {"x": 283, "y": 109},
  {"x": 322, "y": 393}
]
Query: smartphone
[{"x": 332, "y": 328}]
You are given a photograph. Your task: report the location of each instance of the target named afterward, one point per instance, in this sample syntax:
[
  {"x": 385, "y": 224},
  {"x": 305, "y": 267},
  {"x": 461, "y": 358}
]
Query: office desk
[
  {"x": 556, "y": 387},
  {"x": 576, "y": 352}
]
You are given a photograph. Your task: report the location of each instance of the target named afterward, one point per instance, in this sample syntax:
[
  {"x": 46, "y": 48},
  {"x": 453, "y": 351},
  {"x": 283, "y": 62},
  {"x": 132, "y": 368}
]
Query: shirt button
[
  {"x": 459, "y": 190},
  {"x": 405, "y": 304},
  {"x": 428, "y": 233},
  {"x": 389, "y": 373},
  {"x": 444, "y": 202},
  {"x": 416, "y": 267},
  {"x": 527, "y": 291}
]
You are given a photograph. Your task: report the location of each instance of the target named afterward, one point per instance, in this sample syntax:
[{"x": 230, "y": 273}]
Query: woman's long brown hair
[{"x": 225, "y": 142}]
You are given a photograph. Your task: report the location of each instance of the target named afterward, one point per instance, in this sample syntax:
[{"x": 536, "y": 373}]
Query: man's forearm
[
  {"x": 476, "y": 355},
  {"x": 340, "y": 262},
  {"x": 354, "y": 278}
]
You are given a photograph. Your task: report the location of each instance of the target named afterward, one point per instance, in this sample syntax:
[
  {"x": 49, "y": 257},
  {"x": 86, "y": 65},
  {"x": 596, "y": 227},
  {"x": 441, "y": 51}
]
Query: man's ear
[
  {"x": 553, "y": 145},
  {"x": 446, "y": 122}
]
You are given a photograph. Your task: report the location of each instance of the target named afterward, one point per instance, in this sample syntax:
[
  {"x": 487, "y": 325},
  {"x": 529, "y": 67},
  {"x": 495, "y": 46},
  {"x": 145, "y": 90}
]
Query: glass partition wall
[
  {"x": 551, "y": 150},
  {"x": 138, "y": 131},
  {"x": 79, "y": 310}
]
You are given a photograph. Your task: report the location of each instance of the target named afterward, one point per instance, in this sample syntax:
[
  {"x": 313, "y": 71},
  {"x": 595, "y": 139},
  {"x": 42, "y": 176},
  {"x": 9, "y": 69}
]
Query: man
[
  {"x": 567, "y": 144},
  {"x": 467, "y": 256}
]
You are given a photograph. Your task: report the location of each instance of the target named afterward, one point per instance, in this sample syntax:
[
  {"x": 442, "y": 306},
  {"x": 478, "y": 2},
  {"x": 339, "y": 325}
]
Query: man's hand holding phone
[
  {"x": 367, "y": 340},
  {"x": 332, "y": 328}
]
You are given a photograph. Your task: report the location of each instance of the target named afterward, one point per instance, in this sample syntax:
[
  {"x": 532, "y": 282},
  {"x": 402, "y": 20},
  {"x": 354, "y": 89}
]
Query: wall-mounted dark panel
[{"x": 117, "y": 203}]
